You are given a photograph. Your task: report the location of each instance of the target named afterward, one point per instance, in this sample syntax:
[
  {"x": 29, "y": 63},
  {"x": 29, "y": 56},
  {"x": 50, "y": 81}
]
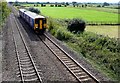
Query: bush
[
  {"x": 98, "y": 5},
  {"x": 51, "y": 5},
  {"x": 76, "y": 25},
  {"x": 34, "y": 10},
  {"x": 59, "y": 6}
]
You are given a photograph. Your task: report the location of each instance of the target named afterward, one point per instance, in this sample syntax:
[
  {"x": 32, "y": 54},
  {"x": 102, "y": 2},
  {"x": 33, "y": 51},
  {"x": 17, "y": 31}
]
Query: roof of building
[{"x": 31, "y": 14}]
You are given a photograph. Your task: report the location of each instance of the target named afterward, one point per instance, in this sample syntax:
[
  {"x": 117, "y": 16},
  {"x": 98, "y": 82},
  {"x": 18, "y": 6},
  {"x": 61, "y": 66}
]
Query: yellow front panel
[{"x": 40, "y": 24}]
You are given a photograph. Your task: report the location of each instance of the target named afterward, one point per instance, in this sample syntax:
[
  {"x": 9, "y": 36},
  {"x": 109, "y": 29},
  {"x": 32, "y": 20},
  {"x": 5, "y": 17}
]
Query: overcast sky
[{"x": 110, "y": 1}]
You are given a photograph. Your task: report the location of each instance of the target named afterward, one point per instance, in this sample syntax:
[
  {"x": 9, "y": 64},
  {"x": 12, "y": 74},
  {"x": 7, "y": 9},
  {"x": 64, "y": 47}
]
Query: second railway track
[
  {"x": 27, "y": 68},
  {"x": 80, "y": 73}
]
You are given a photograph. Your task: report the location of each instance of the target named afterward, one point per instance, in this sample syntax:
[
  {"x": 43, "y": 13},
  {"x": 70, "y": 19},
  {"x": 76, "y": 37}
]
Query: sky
[{"x": 109, "y": 1}]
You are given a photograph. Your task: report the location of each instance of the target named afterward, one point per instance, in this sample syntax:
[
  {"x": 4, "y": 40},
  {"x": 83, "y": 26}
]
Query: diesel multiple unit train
[{"x": 36, "y": 22}]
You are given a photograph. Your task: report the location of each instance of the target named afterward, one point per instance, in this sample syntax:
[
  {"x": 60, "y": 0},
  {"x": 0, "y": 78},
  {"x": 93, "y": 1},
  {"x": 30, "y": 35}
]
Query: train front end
[{"x": 40, "y": 25}]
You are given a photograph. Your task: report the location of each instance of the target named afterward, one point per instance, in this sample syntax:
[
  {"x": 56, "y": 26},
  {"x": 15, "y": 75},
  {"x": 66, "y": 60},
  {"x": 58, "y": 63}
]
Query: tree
[
  {"x": 11, "y": 2},
  {"x": 74, "y": 3},
  {"x": 106, "y": 4},
  {"x": 35, "y": 10},
  {"x": 63, "y": 3},
  {"x": 16, "y": 3},
  {"x": 67, "y": 3},
  {"x": 47, "y": 2}
]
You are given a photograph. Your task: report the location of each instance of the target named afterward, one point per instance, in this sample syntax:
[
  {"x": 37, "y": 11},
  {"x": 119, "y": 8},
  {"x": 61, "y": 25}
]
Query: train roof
[{"x": 31, "y": 14}]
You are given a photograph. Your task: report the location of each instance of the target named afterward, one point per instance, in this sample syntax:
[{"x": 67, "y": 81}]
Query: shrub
[
  {"x": 98, "y": 5},
  {"x": 51, "y": 5},
  {"x": 59, "y": 6},
  {"x": 76, "y": 25},
  {"x": 34, "y": 10}
]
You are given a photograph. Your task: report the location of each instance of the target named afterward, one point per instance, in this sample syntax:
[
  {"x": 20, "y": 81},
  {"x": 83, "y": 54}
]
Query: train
[{"x": 37, "y": 22}]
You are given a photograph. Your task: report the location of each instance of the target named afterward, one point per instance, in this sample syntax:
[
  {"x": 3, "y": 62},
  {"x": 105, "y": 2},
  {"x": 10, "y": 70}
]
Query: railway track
[
  {"x": 80, "y": 73},
  {"x": 27, "y": 68}
]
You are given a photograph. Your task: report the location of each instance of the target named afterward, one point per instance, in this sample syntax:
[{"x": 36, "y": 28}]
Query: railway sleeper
[
  {"x": 77, "y": 70},
  {"x": 74, "y": 68},
  {"x": 29, "y": 74},
  {"x": 25, "y": 60},
  {"x": 80, "y": 74},
  {"x": 27, "y": 65},
  {"x": 87, "y": 80},
  {"x": 71, "y": 63},
  {"x": 83, "y": 76},
  {"x": 64, "y": 57},
  {"x": 29, "y": 68},
  {"x": 67, "y": 61},
  {"x": 70, "y": 66},
  {"x": 33, "y": 79},
  {"x": 31, "y": 71},
  {"x": 28, "y": 62}
]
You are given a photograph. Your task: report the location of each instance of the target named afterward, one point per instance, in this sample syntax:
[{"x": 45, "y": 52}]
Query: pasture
[
  {"x": 111, "y": 31},
  {"x": 85, "y": 14},
  {"x": 110, "y": 10}
]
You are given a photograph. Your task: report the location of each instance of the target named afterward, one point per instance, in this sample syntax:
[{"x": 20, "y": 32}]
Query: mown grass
[
  {"x": 85, "y": 14},
  {"x": 111, "y": 31},
  {"x": 101, "y": 51}
]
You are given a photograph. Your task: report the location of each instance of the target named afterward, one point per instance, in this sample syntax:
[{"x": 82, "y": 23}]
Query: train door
[
  {"x": 41, "y": 23},
  {"x": 36, "y": 27}
]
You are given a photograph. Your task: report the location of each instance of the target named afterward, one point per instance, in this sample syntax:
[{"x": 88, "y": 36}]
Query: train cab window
[{"x": 36, "y": 21}]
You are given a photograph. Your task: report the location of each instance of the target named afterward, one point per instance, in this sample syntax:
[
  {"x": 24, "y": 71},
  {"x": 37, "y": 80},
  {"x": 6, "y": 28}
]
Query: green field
[
  {"x": 111, "y": 31},
  {"x": 85, "y": 14}
]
